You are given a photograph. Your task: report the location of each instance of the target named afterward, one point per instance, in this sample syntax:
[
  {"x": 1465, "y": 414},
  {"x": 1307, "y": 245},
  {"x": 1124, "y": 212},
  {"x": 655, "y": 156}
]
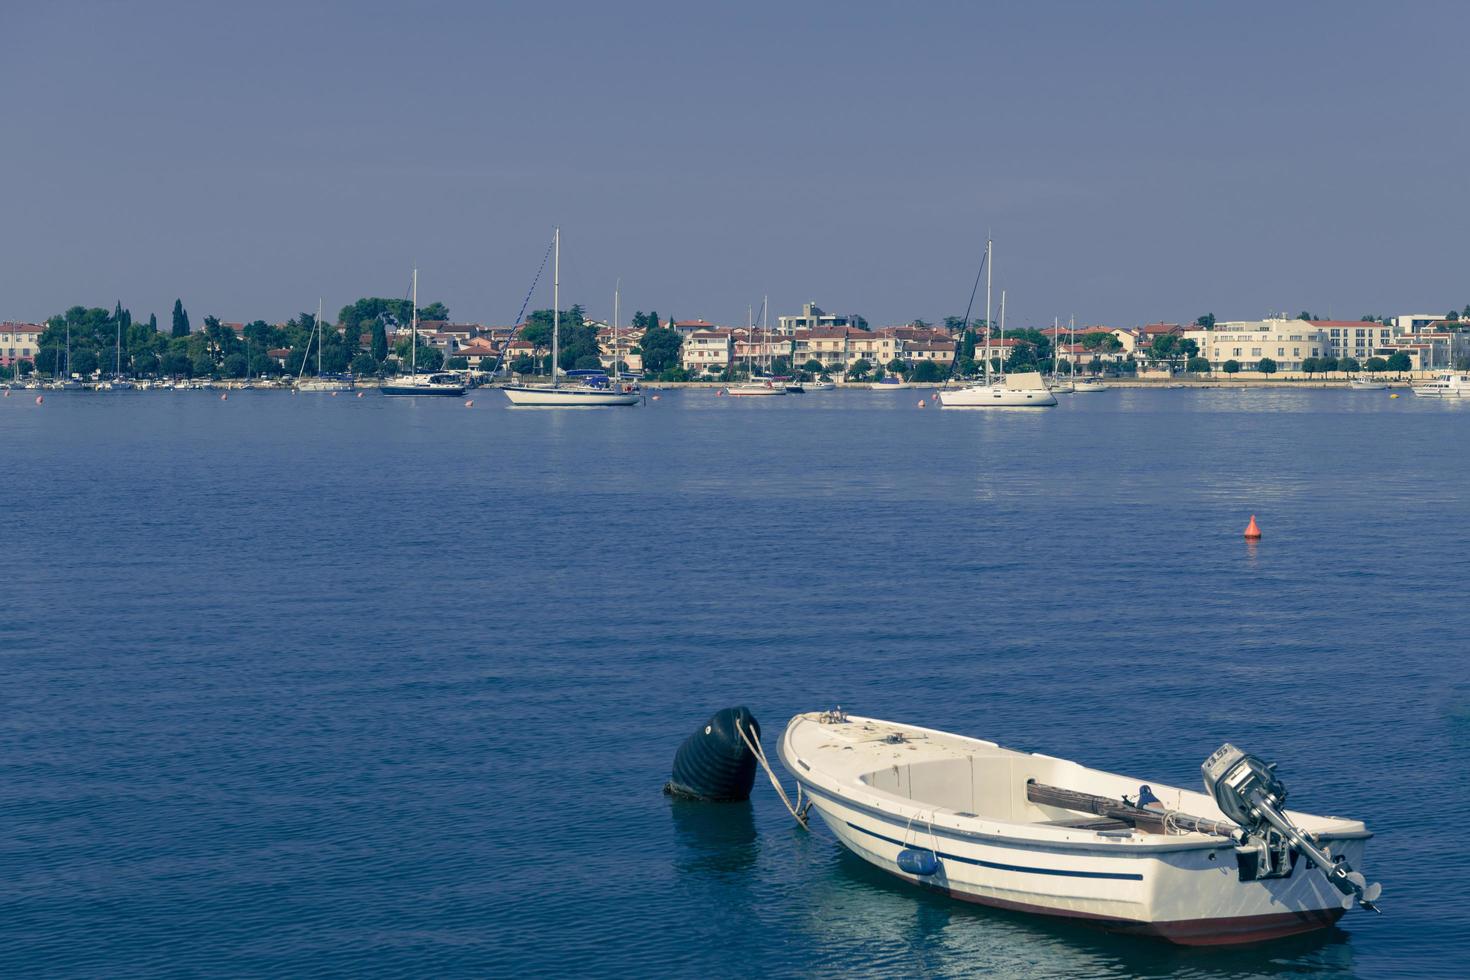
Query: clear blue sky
[{"x": 1135, "y": 161}]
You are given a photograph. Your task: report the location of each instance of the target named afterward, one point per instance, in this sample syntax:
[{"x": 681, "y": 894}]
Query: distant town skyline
[{"x": 1134, "y": 162}]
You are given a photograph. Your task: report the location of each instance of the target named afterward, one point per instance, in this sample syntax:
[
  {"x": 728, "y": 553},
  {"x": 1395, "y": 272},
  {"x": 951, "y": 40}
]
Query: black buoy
[{"x": 715, "y": 763}]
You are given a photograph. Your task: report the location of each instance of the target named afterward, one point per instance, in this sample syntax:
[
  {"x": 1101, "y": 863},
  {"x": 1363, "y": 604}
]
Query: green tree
[
  {"x": 234, "y": 366},
  {"x": 380, "y": 341},
  {"x": 1398, "y": 362},
  {"x": 660, "y": 349},
  {"x": 1310, "y": 366},
  {"x": 1197, "y": 365},
  {"x": 859, "y": 370},
  {"x": 1266, "y": 366},
  {"x": 587, "y": 362},
  {"x": 181, "y": 319},
  {"x": 1348, "y": 365},
  {"x": 1205, "y": 322},
  {"x": 1230, "y": 367},
  {"x": 812, "y": 366},
  {"x": 524, "y": 364},
  {"x": 897, "y": 366},
  {"x": 202, "y": 367},
  {"x": 1327, "y": 364},
  {"x": 434, "y": 311},
  {"x": 1373, "y": 365},
  {"x": 364, "y": 364},
  {"x": 927, "y": 371}
]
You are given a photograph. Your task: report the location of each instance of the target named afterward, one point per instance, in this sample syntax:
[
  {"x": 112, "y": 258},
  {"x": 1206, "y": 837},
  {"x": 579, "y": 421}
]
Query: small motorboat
[
  {"x": 1363, "y": 384},
  {"x": 1087, "y": 386},
  {"x": 817, "y": 385},
  {"x": 1029, "y": 832},
  {"x": 1451, "y": 385}
]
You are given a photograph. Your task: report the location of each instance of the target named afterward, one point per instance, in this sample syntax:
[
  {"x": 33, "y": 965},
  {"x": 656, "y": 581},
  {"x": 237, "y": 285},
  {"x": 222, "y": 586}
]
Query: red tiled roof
[{"x": 10, "y": 326}]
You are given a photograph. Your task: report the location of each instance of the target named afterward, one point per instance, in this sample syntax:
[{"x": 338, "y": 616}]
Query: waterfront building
[
  {"x": 940, "y": 351},
  {"x": 19, "y": 341},
  {"x": 624, "y": 349},
  {"x": 1355, "y": 338},
  {"x": 1411, "y": 322},
  {"x": 708, "y": 350},
  {"x": 812, "y": 317},
  {"x": 688, "y": 328},
  {"x": 1287, "y": 342}
]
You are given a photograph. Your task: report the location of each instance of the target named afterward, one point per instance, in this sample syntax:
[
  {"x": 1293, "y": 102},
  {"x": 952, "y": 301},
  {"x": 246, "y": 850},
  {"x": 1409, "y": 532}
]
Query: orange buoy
[
  {"x": 1251, "y": 530},
  {"x": 470, "y": 403},
  {"x": 1394, "y": 395},
  {"x": 40, "y": 399}
]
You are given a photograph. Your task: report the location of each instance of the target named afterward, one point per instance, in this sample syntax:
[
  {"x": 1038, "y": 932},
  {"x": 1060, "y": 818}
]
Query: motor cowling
[{"x": 1248, "y": 791}]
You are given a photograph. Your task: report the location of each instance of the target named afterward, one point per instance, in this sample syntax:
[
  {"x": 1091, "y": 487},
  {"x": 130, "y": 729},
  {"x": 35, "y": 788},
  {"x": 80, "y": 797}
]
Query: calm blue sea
[{"x": 303, "y": 685}]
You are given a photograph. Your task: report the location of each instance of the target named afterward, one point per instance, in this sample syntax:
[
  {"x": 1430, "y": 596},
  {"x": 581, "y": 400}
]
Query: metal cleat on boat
[{"x": 1248, "y": 791}]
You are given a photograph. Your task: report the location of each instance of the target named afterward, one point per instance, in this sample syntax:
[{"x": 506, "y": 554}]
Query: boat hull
[
  {"x": 1184, "y": 889},
  {"x": 445, "y": 391},
  {"x": 756, "y": 391},
  {"x": 532, "y": 397},
  {"x": 997, "y": 396}
]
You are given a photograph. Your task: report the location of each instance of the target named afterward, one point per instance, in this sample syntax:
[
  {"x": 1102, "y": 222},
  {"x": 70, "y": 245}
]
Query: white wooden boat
[
  {"x": 444, "y": 385},
  {"x": 1363, "y": 384},
  {"x": 1032, "y": 833},
  {"x": 327, "y": 382},
  {"x": 1086, "y": 386},
  {"x": 818, "y": 385}
]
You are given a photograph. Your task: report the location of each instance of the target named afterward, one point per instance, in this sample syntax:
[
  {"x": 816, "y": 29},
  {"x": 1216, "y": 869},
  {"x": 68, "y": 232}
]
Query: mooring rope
[{"x": 798, "y": 811}]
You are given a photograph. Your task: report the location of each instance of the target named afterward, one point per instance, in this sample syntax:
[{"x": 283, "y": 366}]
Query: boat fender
[
  {"x": 715, "y": 763},
  {"x": 917, "y": 862}
]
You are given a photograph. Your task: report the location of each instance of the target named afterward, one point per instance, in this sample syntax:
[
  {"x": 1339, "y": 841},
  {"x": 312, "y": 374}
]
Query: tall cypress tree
[
  {"x": 380, "y": 341},
  {"x": 181, "y": 319},
  {"x": 153, "y": 323}
]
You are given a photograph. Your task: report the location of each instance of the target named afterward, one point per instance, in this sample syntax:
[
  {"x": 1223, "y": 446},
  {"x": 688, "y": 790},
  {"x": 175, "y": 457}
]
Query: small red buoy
[
  {"x": 334, "y": 394},
  {"x": 1251, "y": 530},
  {"x": 224, "y": 396},
  {"x": 359, "y": 394},
  {"x": 470, "y": 403},
  {"x": 655, "y": 398},
  {"x": 921, "y": 403},
  {"x": 40, "y": 399}
]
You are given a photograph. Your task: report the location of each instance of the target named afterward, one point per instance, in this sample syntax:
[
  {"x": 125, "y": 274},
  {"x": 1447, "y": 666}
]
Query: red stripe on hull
[{"x": 1226, "y": 931}]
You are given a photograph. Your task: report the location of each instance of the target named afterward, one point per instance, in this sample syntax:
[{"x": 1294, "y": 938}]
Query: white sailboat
[
  {"x": 1058, "y": 386},
  {"x": 322, "y": 382},
  {"x": 586, "y": 394},
  {"x": 1025, "y": 389},
  {"x": 976, "y": 821},
  {"x": 757, "y": 387},
  {"x": 443, "y": 383}
]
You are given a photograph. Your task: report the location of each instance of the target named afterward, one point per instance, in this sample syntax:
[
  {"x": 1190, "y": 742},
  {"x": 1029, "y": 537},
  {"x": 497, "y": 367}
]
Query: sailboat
[
  {"x": 757, "y": 387},
  {"x": 592, "y": 391},
  {"x": 322, "y": 382},
  {"x": 413, "y": 383},
  {"x": 66, "y": 382},
  {"x": 118, "y": 382},
  {"x": 1024, "y": 389},
  {"x": 1058, "y": 386}
]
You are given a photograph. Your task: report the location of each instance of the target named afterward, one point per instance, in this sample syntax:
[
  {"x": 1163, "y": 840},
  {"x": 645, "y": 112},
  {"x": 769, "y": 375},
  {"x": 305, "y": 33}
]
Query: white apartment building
[
  {"x": 1287, "y": 342},
  {"x": 1356, "y": 338},
  {"x": 812, "y": 318},
  {"x": 706, "y": 350},
  {"x": 18, "y": 341}
]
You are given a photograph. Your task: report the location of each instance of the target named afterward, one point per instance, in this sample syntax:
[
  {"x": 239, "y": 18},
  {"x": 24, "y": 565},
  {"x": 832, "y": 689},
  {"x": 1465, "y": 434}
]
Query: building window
[{"x": 1255, "y": 352}]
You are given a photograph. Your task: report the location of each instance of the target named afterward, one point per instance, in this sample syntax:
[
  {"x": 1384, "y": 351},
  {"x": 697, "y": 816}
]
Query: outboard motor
[{"x": 1248, "y": 791}]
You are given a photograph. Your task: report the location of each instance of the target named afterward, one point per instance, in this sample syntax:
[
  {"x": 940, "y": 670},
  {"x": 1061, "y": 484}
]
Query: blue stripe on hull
[{"x": 1112, "y": 875}]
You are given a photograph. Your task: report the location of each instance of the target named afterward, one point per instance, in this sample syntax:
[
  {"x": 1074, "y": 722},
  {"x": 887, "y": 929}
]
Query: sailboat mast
[
  {"x": 617, "y": 357},
  {"x": 413, "y": 340},
  {"x": 555, "y": 307},
  {"x": 318, "y": 336},
  {"x": 987, "y": 310},
  {"x": 1002, "y": 333},
  {"x": 749, "y": 341},
  {"x": 1056, "y": 336},
  {"x": 766, "y": 333}
]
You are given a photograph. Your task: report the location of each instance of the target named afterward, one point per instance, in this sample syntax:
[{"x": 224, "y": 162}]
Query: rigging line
[
  {"x": 968, "y": 307},
  {"x": 516, "y": 326}
]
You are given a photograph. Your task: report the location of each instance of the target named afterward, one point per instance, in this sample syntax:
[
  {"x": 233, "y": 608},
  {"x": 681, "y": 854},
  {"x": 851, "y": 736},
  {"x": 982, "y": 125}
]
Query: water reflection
[{"x": 714, "y": 838}]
